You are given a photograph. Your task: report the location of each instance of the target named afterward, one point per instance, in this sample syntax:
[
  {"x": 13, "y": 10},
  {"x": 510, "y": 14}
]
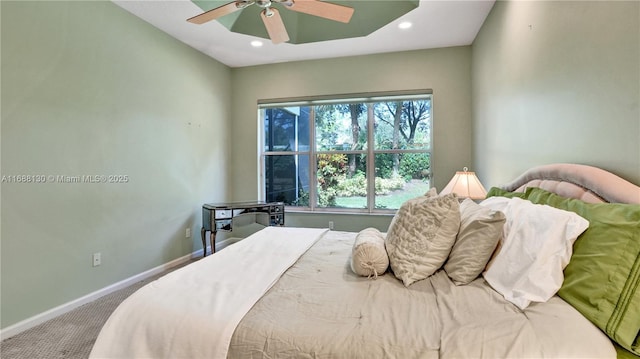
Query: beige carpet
[{"x": 70, "y": 335}]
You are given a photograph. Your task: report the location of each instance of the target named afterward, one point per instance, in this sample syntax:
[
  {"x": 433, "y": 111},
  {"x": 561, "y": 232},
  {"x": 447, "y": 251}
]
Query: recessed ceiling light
[
  {"x": 404, "y": 25},
  {"x": 256, "y": 43}
]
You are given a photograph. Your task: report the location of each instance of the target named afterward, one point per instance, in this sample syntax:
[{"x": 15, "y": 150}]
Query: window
[{"x": 358, "y": 154}]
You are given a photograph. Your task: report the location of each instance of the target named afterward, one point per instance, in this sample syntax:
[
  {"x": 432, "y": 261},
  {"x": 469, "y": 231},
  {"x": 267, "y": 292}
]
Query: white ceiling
[{"x": 435, "y": 24}]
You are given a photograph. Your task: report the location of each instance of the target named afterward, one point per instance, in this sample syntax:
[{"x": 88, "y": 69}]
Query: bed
[{"x": 294, "y": 292}]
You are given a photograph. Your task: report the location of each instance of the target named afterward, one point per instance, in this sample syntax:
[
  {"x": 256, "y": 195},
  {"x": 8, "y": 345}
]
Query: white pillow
[
  {"x": 537, "y": 245},
  {"x": 369, "y": 257},
  {"x": 421, "y": 235}
]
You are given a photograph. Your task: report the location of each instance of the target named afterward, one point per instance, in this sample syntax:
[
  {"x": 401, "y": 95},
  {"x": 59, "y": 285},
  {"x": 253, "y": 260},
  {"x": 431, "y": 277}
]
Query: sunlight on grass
[{"x": 392, "y": 200}]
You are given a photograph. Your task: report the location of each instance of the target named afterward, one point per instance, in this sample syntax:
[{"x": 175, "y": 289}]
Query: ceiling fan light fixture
[
  {"x": 244, "y": 3},
  {"x": 288, "y": 3},
  {"x": 257, "y": 43},
  {"x": 405, "y": 25},
  {"x": 263, "y": 3}
]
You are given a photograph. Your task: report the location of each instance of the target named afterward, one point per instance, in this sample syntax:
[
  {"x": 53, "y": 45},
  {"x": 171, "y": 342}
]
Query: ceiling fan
[{"x": 271, "y": 17}]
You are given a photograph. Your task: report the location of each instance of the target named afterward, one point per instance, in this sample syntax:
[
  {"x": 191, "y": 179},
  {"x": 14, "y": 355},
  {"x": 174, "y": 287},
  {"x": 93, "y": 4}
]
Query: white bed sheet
[{"x": 192, "y": 312}]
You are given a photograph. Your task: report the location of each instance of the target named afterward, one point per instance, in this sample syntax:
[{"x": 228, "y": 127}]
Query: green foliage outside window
[
  {"x": 331, "y": 168},
  {"x": 415, "y": 166}
]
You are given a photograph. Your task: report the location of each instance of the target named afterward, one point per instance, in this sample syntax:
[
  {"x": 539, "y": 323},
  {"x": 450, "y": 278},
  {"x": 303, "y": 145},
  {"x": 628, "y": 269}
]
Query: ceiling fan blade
[
  {"x": 275, "y": 27},
  {"x": 217, "y": 12},
  {"x": 323, "y": 9}
]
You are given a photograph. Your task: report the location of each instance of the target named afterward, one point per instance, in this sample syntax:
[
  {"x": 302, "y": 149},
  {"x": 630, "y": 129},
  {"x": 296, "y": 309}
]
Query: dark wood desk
[{"x": 219, "y": 217}]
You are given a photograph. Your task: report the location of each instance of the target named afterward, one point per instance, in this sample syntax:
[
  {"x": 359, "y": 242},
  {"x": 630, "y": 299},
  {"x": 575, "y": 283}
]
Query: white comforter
[{"x": 193, "y": 312}]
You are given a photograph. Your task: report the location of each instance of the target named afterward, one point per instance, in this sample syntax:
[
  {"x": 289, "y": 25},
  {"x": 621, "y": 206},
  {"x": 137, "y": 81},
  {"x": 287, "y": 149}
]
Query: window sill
[{"x": 296, "y": 210}]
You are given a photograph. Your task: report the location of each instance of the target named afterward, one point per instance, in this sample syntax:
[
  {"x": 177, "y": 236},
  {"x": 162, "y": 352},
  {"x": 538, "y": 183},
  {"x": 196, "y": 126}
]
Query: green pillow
[
  {"x": 499, "y": 192},
  {"x": 622, "y": 353},
  {"x": 602, "y": 280}
]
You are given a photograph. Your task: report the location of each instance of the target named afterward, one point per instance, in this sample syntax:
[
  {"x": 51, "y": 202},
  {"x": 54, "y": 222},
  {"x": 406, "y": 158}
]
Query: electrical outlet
[
  {"x": 97, "y": 259},
  {"x": 187, "y": 233},
  {"x": 330, "y": 224}
]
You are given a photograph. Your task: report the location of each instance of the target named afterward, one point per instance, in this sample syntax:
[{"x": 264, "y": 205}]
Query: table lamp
[{"x": 466, "y": 185}]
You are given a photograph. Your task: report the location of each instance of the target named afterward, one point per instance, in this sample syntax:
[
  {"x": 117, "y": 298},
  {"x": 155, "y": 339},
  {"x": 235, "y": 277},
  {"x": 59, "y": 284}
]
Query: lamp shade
[{"x": 466, "y": 185}]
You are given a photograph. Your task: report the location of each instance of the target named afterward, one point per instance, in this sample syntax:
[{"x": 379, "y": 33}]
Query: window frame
[{"x": 312, "y": 152}]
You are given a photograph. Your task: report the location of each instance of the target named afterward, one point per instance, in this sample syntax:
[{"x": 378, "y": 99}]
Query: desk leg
[
  {"x": 204, "y": 242},
  {"x": 212, "y": 239}
]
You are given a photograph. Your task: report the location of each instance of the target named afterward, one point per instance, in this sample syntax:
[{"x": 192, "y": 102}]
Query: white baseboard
[{"x": 29, "y": 323}]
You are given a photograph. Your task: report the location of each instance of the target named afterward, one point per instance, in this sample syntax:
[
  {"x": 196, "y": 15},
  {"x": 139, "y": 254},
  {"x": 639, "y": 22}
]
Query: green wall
[
  {"x": 446, "y": 71},
  {"x": 557, "y": 81},
  {"x": 89, "y": 89}
]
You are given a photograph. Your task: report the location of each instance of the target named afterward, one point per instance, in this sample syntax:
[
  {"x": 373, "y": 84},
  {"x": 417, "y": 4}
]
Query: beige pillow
[
  {"x": 479, "y": 234},
  {"x": 368, "y": 256},
  {"x": 432, "y": 192},
  {"x": 421, "y": 235}
]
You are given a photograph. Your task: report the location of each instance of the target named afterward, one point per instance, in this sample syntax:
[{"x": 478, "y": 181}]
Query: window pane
[
  {"x": 338, "y": 145},
  {"x": 287, "y": 179},
  {"x": 342, "y": 181},
  {"x": 403, "y": 125},
  {"x": 399, "y": 177},
  {"x": 286, "y": 129},
  {"x": 341, "y": 127}
]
